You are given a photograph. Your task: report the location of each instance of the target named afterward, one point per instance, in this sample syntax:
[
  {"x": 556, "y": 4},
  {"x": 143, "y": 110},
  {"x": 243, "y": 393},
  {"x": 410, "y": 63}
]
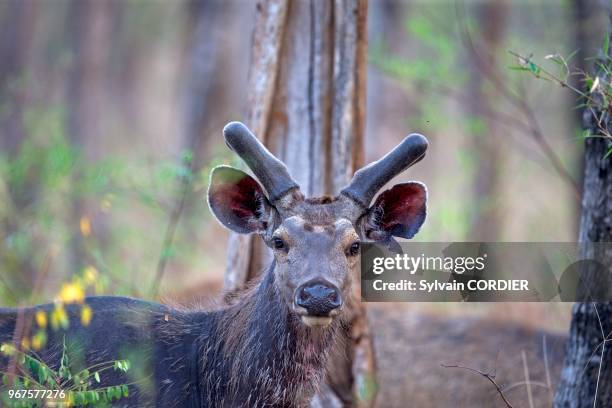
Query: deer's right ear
[
  {"x": 397, "y": 212},
  {"x": 238, "y": 201}
]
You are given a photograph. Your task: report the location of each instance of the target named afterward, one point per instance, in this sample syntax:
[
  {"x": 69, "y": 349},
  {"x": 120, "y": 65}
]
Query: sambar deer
[{"x": 271, "y": 346}]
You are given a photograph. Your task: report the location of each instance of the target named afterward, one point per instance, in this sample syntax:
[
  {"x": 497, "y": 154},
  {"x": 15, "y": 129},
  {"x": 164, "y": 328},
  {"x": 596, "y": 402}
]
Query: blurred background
[{"x": 111, "y": 115}]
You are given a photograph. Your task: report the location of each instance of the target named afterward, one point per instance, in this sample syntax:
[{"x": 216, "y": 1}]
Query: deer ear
[
  {"x": 238, "y": 201},
  {"x": 399, "y": 211}
]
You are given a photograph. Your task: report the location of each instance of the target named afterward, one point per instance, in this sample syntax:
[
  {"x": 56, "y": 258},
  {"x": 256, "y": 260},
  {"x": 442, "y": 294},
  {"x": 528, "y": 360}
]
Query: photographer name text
[{"x": 435, "y": 286}]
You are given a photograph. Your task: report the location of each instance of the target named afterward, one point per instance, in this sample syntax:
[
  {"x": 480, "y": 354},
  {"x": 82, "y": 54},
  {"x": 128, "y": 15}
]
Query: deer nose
[{"x": 318, "y": 298}]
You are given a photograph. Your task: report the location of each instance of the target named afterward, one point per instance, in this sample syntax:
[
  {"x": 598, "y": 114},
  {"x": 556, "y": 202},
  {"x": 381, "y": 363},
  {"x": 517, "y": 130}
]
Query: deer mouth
[{"x": 316, "y": 321}]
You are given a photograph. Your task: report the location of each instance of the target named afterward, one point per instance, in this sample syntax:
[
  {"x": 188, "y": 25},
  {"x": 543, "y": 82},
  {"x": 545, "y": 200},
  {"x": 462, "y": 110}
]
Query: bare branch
[
  {"x": 546, "y": 368},
  {"x": 603, "y": 350},
  {"x": 519, "y": 103},
  {"x": 527, "y": 381},
  {"x": 487, "y": 375}
]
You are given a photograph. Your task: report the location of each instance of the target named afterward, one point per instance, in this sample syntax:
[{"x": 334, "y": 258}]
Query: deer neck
[{"x": 270, "y": 356}]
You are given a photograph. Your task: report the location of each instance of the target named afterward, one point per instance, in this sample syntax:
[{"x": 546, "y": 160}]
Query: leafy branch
[
  {"x": 598, "y": 98},
  {"x": 76, "y": 388}
]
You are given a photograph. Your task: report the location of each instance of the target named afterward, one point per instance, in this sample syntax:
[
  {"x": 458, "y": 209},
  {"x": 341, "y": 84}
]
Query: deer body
[
  {"x": 252, "y": 353},
  {"x": 270, "y": 348}
]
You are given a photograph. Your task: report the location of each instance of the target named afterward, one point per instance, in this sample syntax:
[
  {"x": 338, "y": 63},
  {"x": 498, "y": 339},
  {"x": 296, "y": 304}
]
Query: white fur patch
[{"x": 316, "y": 321}]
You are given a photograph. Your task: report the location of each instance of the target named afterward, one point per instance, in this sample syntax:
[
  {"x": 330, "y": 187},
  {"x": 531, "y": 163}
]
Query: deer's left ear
[
  {"x": 238, "y": 201},
  {"x": 399, "y": 211}
]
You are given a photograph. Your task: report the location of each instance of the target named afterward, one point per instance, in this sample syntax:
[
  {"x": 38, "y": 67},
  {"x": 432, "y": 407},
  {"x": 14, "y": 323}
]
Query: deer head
[{"x": 316, "y": 240}]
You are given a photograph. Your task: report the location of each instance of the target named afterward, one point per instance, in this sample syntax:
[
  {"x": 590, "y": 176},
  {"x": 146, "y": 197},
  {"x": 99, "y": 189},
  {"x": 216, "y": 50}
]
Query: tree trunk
[
  {"x": 202, "y": 109},
  {"x": 486, "y": 225},
  {"x": 18, "y": 18},
  {"x": 15, "y": 52},
  {"x": 586, "y": 379},
  {"x": 306, "y": 100},
  {"x": 89, "y": 32}
]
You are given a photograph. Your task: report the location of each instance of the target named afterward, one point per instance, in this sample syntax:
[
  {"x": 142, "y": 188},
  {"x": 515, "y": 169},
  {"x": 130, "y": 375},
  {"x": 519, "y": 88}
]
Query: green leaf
[
  {"x": 79, "y": 398},
  {"x": 125, "y": 391},
  {"x": 608, "y": 153},
  {"x": 518, "y": 68},
  {"x": 606, "y": 44},
  {"x": 50, "y": 380},
  {"x": 92, "y": 397},
  {"x": 187, "y": 156},
  {"x": 572, "y": 55},
  {"x": 42, "y": 375},
  {"x": 97, "y": 376}
]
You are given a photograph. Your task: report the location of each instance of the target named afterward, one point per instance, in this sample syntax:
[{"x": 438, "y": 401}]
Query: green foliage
[
  {"x": 433, "y": 44},
  {"x": 35, "y": 384},
  {"x": 596, "y": 93},
  {"x": 451, "y": 65},
  {"x": 68, "y": 211}
]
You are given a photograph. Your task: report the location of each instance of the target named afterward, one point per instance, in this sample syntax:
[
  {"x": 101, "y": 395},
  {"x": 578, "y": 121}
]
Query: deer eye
[
  {"x": 278, "y": 243},
  {"x": 354, "y": 248}
]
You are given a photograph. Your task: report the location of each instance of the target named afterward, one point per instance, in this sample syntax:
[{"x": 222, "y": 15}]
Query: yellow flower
[
  {"x": 106, "y": 205},
  {"x": 25, "y": 343},
  {"x": 59, "y": 317},
  {"x": 41, "y": 318},
  {"x": 39, "y": 340},
  {"x": 85, "y": 225},
  {"x": 7, "y": 349},
  {"x": 86, "y": 314},
  {"x": 72, "y": 293},
  {"x": 69, "y": 400},
  {"x": 90, "y": 275}
]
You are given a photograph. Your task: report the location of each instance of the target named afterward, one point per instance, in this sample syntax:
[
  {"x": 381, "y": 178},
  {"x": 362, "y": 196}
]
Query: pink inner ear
[
  {"x": 240, "y": 198},
  {"x": 402, "y": 206}
]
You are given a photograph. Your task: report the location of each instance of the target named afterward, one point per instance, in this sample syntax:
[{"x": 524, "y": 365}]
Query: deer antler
[
  {"x": 368, "y": 180},
  {"x": 269, "y": 170}
]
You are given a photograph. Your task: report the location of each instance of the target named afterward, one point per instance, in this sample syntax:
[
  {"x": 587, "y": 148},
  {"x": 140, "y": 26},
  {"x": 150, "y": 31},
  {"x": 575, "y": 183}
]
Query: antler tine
[
  {"x": 368, "y": 180},
  {"x": 269, "y": 170}
]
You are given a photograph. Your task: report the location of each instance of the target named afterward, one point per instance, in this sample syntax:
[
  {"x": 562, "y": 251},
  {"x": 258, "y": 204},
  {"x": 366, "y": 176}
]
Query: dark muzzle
[{"x": 319, "y": 298}]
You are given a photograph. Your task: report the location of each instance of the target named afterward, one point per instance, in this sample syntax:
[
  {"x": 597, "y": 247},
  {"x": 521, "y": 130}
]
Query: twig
[
  {"x": 563, "y": 84},
  {"x": 488, "y": 376},
  {"x": 168, "y": 241},
  {"x": 520, "y": 104},
  {"x": 521, "y": 383},
  {"x": 553, "y": 77},
  {"x": 603, "y": 349},
  {"x": 546, "y": 368},
  {"x": 527, "y": 381},
  {"x": 177, "y": 212}
]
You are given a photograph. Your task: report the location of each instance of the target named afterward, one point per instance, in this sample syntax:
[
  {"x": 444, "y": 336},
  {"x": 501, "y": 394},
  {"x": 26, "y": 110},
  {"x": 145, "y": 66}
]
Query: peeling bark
[
  {"x": 306, "y": 101},
  {"x": 586, "y": 379}
]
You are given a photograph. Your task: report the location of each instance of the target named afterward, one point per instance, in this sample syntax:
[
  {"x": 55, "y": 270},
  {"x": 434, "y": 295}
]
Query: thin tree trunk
[
  {"x": 306, "y": 100},
  {"x": 16, "y": 34},
  {"x": 486, "y": 146},
  {"x": 16, "y": 42},
  {"x": 201, "y": 109},
  {"x": 581, "y": 13},
  {"x": 89, "y": 35},
  {"x": 586, "y": 379}
]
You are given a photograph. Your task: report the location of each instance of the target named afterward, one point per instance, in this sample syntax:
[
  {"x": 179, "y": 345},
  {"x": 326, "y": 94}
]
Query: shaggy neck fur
[{"x": 260, "y": 354}]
